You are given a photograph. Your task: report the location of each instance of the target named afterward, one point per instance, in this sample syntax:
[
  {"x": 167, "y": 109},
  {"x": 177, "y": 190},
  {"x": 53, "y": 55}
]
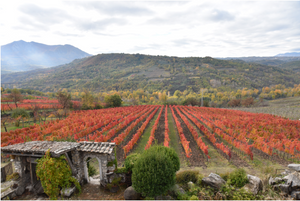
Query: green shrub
[
  {"x": 225, "y": 175},
  {"x": 230, "y": 193},
  {"x": 130, "y": 161},
  {"x": 171, "y": 153},
  {"x": 153, "y": 172},
  {"x": 91, "y": 169},
  {"x": 238, "y": 178},
  {"x": 186, "y": 176}
]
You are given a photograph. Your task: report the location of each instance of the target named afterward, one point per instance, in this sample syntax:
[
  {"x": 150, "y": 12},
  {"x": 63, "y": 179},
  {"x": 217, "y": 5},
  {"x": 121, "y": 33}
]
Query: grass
[{"x": 145, "y": 137}]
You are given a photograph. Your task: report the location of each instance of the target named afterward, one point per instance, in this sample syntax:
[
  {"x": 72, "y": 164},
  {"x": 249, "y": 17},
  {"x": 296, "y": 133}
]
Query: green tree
[
  {"x": 87, "y": 99},
  {"x": 113, "y": 101},
  {"x": 19, "y": 113},
  {"x": 16, "y": 96}
]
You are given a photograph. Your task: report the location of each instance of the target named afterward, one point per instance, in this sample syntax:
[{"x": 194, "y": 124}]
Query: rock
[
  {"x": 20, "y": 190},
  {"x": 67, "y": 191},
  {"x": 255, "y": 184},
  {"x": 275, "y": 181},
  {"x": 295, "y": 167},
  {"x": 160, "y": 197},
  {"x": 293, "y": 180},
  {"x": 131, "y": 194},
  {"x": 283, "y": 188},
  {"x": 295, "y": 195},
  {"x": 38, "y": 188},
  {"x": 214, "y": 181},
  {"x": 176, "y": 190},
  {"x": 286, "y": 172},
  {"x": 191, "y": 185}
]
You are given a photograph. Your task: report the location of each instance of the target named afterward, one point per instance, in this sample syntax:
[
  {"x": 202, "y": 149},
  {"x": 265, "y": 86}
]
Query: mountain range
[
  {"x": 105, "y": 72},
  {"x": 25, "y": 56}
]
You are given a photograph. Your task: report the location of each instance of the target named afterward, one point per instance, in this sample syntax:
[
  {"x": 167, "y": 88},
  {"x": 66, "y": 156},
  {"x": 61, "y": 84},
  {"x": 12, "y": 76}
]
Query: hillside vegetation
[{"x": 106, "y": 72}]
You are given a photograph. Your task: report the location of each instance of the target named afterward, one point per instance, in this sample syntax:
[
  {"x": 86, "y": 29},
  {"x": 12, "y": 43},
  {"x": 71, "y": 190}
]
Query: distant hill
[
  {"x": 289, "y": 54},
  {"x": 25, "y": 56},
  {"x": 106, "y": 72},
  {"x": 284, "y": 62}
]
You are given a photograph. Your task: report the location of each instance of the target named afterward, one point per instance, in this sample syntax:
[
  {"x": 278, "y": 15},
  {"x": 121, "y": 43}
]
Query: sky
[{"x": 182, "y": 28}]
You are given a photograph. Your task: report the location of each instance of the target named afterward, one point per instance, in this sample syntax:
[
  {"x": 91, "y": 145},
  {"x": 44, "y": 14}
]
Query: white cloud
[{"x": 217, "y": 29}]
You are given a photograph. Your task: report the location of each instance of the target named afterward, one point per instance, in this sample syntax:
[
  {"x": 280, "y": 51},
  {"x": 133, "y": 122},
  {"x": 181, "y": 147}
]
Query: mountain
[
  {"x": 25, "y": 56},
  {"x": 106, "y": 72},
  {"x": 289, "y": 54}
]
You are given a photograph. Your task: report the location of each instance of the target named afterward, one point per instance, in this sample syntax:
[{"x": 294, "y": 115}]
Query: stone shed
[{"x": 77, "y": 154}]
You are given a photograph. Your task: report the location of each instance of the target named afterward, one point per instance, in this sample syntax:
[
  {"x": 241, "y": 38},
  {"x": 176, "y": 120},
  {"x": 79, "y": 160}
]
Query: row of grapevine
[
  {"x": 138, "y": 134},
  {"x": 183, "y": 139},
  {"x": 151, "y": 138},
  {"x": 167, "y": 138}
]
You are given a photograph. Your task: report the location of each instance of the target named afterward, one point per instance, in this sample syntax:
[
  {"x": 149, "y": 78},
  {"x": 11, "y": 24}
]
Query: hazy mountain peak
[{"x": 23, "y": 56}]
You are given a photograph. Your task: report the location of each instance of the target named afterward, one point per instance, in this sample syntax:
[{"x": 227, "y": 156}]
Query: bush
[
  {"x": 238, "y": 178},
  {"x": 55, "y": 174},
  {"x": 130, "y": 161},
  {"x": 171, "y": 153},
  {"x": 191, "y": 101},
  {"x": 186, "y": 176},
  {"x": 153, "y": 173},
  {"x": 225, "y": 175}
]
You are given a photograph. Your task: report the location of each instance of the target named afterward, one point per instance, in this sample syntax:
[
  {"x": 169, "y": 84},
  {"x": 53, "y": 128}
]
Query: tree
[
  {"x": 64, "y": 99},
  {"x": 16, "y": 96},
  {"x": 113, "y": 100},
  {"x": 87, "y": 99},
  {"x": 19, "y": 113}
]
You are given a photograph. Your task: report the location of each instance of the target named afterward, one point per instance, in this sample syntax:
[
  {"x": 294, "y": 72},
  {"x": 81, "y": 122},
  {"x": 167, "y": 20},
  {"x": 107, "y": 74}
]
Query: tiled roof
[
  {"x": 58, "y": 148},
  {"x": 40, "y": 147},
  {"x": 97, "y": 147}
]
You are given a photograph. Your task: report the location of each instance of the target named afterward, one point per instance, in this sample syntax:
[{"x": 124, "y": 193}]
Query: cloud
[
  {"x": 114, "y": 8},
  {"x": 67, "y": 34},
  {"x": 46, "y": 16},
  {"x": 221, "y": 15},
  {"x": 100, "y": 24}
]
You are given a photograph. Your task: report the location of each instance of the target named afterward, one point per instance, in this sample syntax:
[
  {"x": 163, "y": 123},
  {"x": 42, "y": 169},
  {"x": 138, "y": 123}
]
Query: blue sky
[{"x": 183, "y": 28}]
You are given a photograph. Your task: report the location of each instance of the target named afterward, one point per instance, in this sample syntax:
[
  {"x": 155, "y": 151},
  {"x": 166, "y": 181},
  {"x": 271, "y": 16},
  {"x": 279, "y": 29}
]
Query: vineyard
[{"x": 196, "y": 133}]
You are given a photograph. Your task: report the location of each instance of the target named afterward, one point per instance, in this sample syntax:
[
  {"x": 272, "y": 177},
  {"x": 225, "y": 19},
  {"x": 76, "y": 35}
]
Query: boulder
[
  {"x": 283, "y": 188},
  {"x": 255, "y": 184},
  {"x": 131, "y": 194},
  {"x": 293, "y": 180},
  {"x": 20, "y": 190},
  {"x": 295, "y": 167},
  {"x": 67, "y": 191},
  {"x": 214, "y": 181},
  {"x": 295, "y": 195},
  {"x": 38, "y": 188},
  {"x": 176, "y": 190}
]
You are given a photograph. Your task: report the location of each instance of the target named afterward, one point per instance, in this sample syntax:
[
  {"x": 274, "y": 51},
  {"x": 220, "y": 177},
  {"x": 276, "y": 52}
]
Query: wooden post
[{"x": 31, "y": 176}]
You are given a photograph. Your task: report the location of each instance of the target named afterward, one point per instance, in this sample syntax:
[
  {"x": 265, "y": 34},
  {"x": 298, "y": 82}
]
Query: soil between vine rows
[
  {"x": 160, "y": 130},
  {"x": 197, "y": 158}
]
